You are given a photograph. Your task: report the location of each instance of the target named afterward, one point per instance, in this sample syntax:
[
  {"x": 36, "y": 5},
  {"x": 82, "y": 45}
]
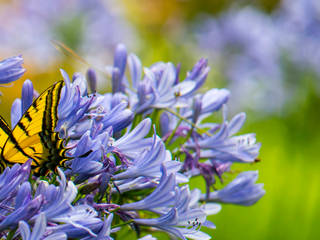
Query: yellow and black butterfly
[{"x": 34, "y": 136}]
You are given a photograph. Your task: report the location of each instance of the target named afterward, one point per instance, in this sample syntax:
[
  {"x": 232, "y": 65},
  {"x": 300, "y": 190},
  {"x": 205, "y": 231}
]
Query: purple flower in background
[
  {"x": 75, "y": 25},
  {"x": 250, "y": 60},
  {"x": 11, "y": 69},
  {"x": 260, "y": 64}
]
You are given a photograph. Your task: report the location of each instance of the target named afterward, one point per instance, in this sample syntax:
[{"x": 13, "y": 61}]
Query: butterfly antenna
[{"x": 61, "y": 47}]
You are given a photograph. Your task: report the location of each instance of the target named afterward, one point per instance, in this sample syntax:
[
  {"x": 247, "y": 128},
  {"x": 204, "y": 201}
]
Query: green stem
[
  {"x": 173, "y": 132},
  {"x": 114, "y": 210},
  {"x": 122, "y": 224},
  {"x": 199, "y": 130},
  {"x": 11, "y": 234}
]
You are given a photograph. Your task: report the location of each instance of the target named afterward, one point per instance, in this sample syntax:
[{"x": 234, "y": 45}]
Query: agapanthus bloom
[
  {"x": 11, "y": 69},
  {"x": 261, "y": 65},
  {"x": 54, "y": 21},
  {"x": 131, "y": 155}
]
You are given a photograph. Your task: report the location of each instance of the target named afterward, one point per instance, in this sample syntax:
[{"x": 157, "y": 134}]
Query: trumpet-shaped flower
[
  {"x": 181, "y": 220},
  {"x": 242, "y": 190},
  {"x": 38, "y": 231},
  {"x": 11, "y": 69},
  {"x": 163, "y": 195},
  {"x": 222, "y": 146}
]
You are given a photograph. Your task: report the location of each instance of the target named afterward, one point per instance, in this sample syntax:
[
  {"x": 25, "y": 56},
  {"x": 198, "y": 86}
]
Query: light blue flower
[
  {"x": 242, "y": 190},
  {"x": 160, "y": 86},
  {"x": 88, "y": 154},
  {"x": 92, "y": 80},
  {"x": 16, "y": 112},
  {"x": 73, "y": 104},
  {"x": 223, "y": 146},
  {"x": 27, "y": 95},
  {"x": 133, "y": 143},
  {"x": 149, "y": 163},
  {"x": 148, "y": 237},
  {"x": 76, "y": 221},
  {"x": 53, "y": 21},
  {"x": 11, "y": 69},
  {"x": 38, "y": 231},
  {"x": 137, "y": 183},
  {"x": 162, "y": 196},
  {"x": 76, "y": 110},
  {"x": 119, "y": 66},
  {"x": 250, "y": 60},
  {"x": 58, "y": 199},
  {"x": 181, "y": 221},
  {"x": 12, "y": 178},
  {"x": 298, "y": 25},
  {"x": 81, "y": 228},
  {"x": 24, "y": 210},
  {"x": 211, "y": 101},
  {"x": 105, "y": 231}
]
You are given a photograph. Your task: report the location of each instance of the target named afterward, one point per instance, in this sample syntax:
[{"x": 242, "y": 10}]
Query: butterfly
[{"x": 34, "y": 136}]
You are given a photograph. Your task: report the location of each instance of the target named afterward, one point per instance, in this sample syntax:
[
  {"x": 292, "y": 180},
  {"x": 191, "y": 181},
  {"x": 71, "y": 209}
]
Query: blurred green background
[{"x": 290, "y": 137}]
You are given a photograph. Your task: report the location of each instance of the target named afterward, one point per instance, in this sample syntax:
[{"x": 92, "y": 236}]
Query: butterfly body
[{"x": 34, "y": 136}]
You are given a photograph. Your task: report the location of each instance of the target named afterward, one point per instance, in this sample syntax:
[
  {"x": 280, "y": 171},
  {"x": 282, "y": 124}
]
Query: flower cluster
[
  {"x": 264, "y": 61},
  {"x": 132, "y": 154},
  {"x": 79, "y": 24}
]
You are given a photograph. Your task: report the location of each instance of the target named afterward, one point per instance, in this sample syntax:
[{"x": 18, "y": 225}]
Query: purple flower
[
  {"x": 298, "y": 25},
  {"x": 159, "y": 87},
  {"x": 210, "y": 102},
  {"x": 223, "y": 146},
  {"x": 242, "y": 190},
  {"x": 25, "y": 208},
  {"x": 38, "y": 231},
  {"x": 105, "y": 231},
  {"x": 119, "y": 66},
  {"x": 11, "y": 179},
  {"x": 250, "y": 60},
  {"x": 182, "y": 220},
  {"x": 148, "y": 237},
  {"x": 117, "y": 168},
  {"x": 27, "y": 95},
  {"x": 52, "y": 21},
  {"x": 11, "y": 69},
  {"x": 75, "y": 221},
  {"x": 81, "y": 228},
  {"x": 162, "y": 196},
  {"x": 16, "y": 112},
  {"x": 57, "y": 199},
  {"x": 133, "y": 143},
  {"x": 92, "y": 80},
  {"x": 149, "y": 163},
  {"x": 76, "y": 110}
]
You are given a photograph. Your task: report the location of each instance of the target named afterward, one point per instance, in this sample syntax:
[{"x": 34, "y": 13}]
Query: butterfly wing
[
  {"x": 5, "y": 132},
  {"x": 34, "y": 135}
]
